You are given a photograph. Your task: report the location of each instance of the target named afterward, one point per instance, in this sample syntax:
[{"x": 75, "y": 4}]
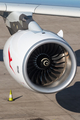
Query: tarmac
[{"x": 29, "y": 105}]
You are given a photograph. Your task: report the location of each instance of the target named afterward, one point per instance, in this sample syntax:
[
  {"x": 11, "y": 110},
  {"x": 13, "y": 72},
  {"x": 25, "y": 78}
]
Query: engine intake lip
[{"x": 64, "y": 80}]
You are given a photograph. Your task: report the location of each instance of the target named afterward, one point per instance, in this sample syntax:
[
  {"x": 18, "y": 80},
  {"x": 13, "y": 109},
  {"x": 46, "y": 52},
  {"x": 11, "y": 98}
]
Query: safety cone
[{"x": 10, "y": 96}]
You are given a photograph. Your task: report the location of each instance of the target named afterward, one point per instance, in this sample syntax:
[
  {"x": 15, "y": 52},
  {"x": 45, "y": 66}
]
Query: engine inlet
[
  {"x": 49, "y": 66},
  {"x": 46, "y": 64}
]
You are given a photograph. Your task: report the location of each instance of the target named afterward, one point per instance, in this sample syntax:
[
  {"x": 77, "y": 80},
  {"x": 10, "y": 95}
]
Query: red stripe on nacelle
[{"x": 10, "y": 59}]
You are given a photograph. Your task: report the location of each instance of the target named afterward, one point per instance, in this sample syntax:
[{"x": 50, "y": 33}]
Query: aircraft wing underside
[{"x": 73, "y": 11}]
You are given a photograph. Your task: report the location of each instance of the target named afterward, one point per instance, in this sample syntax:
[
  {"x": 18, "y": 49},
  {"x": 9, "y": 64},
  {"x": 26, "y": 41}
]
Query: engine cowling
[{"x": 41, "y": 61}]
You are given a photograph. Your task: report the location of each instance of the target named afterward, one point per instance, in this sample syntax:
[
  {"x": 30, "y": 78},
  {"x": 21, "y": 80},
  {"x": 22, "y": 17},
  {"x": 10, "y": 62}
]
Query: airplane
[{"x": 38, "y": 59}]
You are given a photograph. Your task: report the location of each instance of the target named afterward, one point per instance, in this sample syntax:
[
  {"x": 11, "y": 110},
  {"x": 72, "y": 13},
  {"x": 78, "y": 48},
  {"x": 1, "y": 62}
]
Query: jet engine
[{"x": 41, "y": 61}]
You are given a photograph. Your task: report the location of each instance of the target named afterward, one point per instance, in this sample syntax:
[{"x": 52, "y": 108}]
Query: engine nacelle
[{"x": 41, "y": 61}]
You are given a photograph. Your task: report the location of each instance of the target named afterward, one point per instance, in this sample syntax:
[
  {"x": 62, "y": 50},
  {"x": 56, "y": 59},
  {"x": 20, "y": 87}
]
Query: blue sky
[{"x": 72, "y": 3}]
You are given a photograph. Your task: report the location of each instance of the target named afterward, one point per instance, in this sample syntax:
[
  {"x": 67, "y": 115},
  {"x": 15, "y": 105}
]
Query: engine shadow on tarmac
[
  {"x": 1, "y": 55},
  {"x": 69, "y": 98}
]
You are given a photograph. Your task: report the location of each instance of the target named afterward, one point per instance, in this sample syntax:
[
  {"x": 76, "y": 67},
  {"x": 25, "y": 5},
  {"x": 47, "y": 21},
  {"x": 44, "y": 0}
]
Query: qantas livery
[{"x": 38, "y": 59}]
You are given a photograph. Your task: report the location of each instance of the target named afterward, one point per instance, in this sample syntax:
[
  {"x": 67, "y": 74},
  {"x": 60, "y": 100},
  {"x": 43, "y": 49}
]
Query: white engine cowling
[{"x": 40, "y": 61}]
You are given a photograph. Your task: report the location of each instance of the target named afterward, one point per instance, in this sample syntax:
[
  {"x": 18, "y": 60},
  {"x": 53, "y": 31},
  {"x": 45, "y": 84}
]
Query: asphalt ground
[{"x": 28, "y": 105}]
